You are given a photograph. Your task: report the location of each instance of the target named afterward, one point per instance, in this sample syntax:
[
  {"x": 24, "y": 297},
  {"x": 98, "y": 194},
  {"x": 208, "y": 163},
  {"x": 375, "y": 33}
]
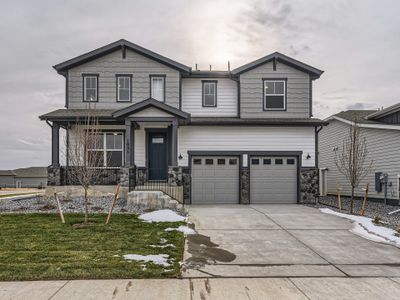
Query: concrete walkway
[
  {"x": 206, "y": 288},
  {"x": 282, "y": 241}
]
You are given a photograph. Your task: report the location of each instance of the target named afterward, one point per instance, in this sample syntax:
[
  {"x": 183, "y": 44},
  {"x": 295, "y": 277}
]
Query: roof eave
[
  {"x": 99, "y": 52},
  {"x": 314, "y": 72}
]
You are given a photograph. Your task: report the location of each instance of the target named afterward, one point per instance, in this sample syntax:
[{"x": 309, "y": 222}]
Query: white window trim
[
  {"x": 85, "y": 89},
  {"x": 130, "y": 88},
  {"x": 265, "y": 94},
  {"x": 152, "y": 77},
  {"x": 214, "y": 94},
  {"x": 105, "y": 150}
]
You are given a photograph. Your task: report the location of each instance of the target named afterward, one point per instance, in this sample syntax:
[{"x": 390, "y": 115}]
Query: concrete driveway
[{"x": 281, "y": 241}]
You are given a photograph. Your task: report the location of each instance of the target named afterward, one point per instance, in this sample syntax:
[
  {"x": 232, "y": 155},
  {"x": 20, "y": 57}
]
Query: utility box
[{"x": 378, "y": 182}]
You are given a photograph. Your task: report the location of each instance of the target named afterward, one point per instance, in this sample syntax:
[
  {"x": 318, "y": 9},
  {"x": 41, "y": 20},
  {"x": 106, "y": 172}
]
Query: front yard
[{"x": 39, "y": 246}]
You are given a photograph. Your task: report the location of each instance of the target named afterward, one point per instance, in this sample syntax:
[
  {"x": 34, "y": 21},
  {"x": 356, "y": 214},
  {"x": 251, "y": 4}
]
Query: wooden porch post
[
  {"x": 174, "y": 143},
  {"x": 55, "y": 145},
  {"x": 129, "y": 144}
]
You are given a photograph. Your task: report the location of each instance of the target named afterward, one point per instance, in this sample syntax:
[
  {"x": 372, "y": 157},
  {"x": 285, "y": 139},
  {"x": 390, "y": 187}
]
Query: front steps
[{"x": 153, "y": 200}]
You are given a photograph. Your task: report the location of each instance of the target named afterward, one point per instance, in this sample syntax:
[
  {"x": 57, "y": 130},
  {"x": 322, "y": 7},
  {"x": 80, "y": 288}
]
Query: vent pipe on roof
[
  {"x": 210, "y": 67},
  {"x": 196, "y": 67},
  {"x": 229, "y": 66}
]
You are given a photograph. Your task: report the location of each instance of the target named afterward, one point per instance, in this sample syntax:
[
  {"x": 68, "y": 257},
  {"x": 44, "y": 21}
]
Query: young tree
[
  {"x": 351, "y": 161},
  {"x": 85, "y": 161}
]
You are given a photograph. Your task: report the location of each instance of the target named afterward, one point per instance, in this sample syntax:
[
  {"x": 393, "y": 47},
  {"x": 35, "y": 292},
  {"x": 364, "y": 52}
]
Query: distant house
[
  {"x": 381, "y": 129},
  {"x": 32, "y": 177}
]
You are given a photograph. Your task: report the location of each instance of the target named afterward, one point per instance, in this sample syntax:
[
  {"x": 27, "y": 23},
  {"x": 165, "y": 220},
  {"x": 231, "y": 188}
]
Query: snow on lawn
[
  {"x": 159, "y": 259},
  {"x": 163, "y": 246},
  {"x": 163, "y": 215},
  {"x": 365, "y": 228},
  {"x": 184, "y": 229}
]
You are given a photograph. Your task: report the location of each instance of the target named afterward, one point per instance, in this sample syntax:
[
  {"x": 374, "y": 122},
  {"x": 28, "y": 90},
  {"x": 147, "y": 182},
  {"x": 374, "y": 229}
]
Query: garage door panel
[
  {"x": 215, "y": 182},
  {"x": 273, "y": 179}
]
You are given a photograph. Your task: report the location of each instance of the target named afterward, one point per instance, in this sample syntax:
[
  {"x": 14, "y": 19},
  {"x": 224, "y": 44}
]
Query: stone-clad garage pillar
[{"x": 244, "y": 183}]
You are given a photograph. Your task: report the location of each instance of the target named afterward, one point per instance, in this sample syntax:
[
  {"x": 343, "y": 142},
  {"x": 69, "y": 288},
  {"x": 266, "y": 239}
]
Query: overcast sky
[{"x": 356, "y": 43}]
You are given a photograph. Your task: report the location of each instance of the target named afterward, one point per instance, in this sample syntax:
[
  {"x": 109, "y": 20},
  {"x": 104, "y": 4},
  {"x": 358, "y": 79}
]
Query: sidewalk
[{"x": 203, "y": 288}]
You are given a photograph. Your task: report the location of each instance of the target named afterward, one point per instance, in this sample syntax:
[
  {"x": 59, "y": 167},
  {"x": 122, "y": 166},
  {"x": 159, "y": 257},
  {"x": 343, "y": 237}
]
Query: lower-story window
[{"x": 110, "y": 144}]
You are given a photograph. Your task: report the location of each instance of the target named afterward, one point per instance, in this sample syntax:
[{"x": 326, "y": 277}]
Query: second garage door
[
  {"x": 215, "y": 180},
  {"x": 273, "y": 179}
]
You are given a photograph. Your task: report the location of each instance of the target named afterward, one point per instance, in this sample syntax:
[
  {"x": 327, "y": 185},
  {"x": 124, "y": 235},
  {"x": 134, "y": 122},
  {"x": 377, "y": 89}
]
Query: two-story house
[{"x": 238, "y": 136}]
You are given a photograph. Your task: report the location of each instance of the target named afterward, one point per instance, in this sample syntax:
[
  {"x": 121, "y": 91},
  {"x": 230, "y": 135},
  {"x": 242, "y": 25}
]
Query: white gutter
[{"x": 362, "y": 125}]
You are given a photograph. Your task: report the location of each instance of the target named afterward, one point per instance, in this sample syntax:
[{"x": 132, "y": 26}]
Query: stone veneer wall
[
  {"x": 309, "y": 184},
  {"x": 175, "y": 176},
  {"x": 244, "y": 185},
  {"x": 186, "y": 184},
  {"x": 141, "y": 176},
  {"x": 53, "y": 176}
]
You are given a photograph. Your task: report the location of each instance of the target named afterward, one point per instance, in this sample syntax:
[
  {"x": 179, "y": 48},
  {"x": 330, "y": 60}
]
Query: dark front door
[{"x": 157, "y": 154}]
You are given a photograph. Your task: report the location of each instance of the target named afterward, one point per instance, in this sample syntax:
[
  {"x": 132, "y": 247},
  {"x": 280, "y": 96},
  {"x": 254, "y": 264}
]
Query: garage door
[
  {"x": 215, "y": 179},
  {"x": 273, "y": 179}
]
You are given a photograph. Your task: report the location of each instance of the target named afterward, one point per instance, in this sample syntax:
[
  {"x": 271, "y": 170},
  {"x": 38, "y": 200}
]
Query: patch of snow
[
  {"x": 163, "y": 215},
  {"x": 163, "y": 241},
  {"x": 163, "y": 246},
  {"x": 159, "y": 259},
  {"x": 184, "y": 229},
  {"x": 365, "y": 228}
]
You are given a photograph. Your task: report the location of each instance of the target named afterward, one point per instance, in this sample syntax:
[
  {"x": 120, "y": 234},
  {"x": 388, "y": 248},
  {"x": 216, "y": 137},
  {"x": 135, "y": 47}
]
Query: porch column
[
  {"x": 55, "y": 145},
  {"x": 129, "y": 144},
  {"x": 174, "y": 143}
]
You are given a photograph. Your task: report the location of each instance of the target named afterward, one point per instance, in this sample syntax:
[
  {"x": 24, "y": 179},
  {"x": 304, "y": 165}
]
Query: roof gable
[
  {"x": 144, "y": 105},
  {"x": 118, "y": 45},
  {"x": 279, "y": 57},
  {"x": 384, "y": 112}
]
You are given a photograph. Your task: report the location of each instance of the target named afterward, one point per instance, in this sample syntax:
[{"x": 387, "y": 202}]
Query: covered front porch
[{"x": 139, "y": 144}]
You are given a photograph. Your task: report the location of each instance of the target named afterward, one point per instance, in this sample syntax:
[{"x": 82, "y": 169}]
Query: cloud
[
  {"x": 357, "y": 106},
  {"x": 359, "y": 56}
]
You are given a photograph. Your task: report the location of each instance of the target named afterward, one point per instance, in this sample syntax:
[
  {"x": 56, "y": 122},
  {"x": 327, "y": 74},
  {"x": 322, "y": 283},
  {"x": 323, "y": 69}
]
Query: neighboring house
[
  {"x": 7, "y": 178},
  {"x": 236, "y": 136},
  {"x": 33, "y": 177},
  {"x": 381, "y": 129}
]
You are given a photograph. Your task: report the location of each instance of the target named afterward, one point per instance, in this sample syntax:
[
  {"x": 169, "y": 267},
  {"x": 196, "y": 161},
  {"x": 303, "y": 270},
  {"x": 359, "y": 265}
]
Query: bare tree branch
[
  {"x": 351, "y": 161},
  {"x": 85, "y": 153}
]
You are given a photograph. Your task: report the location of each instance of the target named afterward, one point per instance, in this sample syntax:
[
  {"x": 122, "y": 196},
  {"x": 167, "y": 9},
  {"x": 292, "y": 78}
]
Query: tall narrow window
[
  {"x": 209, "y": 93},
  {"x": 124, "y": 88},
  {"x": 274, "y": 94},
  {"x": 90, "y": 88},
  {"x": 157, "y": 87}
]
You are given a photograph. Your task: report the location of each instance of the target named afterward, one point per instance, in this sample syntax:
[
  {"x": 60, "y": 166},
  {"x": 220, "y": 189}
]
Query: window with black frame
[
  {"x": 274, "y": 94},
  {"x": 110, "y": 144}
]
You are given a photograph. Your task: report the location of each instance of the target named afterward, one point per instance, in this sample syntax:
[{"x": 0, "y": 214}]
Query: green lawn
[{"x": 38, "y": 246}]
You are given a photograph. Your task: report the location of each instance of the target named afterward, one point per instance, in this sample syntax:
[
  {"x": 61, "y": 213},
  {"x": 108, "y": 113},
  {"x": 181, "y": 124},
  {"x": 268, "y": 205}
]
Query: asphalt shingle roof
[{"x": 350, "y": 115}]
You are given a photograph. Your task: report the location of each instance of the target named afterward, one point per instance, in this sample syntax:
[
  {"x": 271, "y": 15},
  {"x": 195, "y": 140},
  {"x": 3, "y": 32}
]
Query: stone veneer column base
[
  {"x": 53, "y": 176},
  {"x": 244, "y": 185},
  {"x": 309, "y": 185}
]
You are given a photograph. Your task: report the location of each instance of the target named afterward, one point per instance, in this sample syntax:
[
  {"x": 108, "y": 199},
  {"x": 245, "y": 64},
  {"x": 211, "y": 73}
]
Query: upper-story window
[
  {"x": 124, "y": 86},
  {"x": 90, "y": 87},
  {"x": 157, "y": 87},
  {"x": 274, "y": 94},
  {"x": 209, "y": 93}
]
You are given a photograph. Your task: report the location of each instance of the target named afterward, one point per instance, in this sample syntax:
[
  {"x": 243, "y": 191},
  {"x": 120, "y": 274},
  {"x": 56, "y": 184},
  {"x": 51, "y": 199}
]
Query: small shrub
[{"x": 377, "y": 220}]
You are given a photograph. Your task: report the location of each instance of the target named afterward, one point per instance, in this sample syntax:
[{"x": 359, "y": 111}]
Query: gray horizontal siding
[
  {"x": 192, "y": 101},
  {"x": 383, "y": 148},
  {"x": 251, "y": 92},
  {"x": 107, "y": 66}
]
